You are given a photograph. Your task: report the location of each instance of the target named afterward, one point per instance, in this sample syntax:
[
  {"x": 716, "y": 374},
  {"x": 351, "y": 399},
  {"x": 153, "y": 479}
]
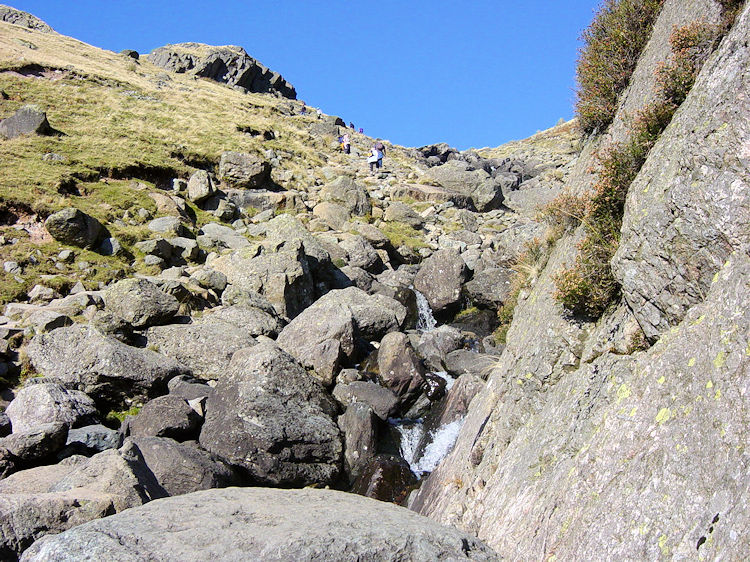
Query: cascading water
[
  {"x": 425, "y": 320},
  {"x": 441, "y": 443}
]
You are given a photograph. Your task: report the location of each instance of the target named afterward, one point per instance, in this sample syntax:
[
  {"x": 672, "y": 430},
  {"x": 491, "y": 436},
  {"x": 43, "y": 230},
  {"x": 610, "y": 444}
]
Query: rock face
[
  {"x": 29, "y": 120},
  {"x": 74, "y": 227},
  {"x": 102, "y": 367},
  {"x": 272, "y": 419},
  {"x": 17, "y": 17},
  {"x": 228, "y": 64},
  {"x": 684, "y": 220},
  {"x": 274, "y": 525},
  {"x": 579, "y": 445}
]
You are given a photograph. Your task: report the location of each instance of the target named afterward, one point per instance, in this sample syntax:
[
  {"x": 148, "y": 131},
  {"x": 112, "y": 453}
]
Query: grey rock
[
  {"x": 335, "y": 216},
  {"x": 463, "y": 361},
  {"x": 436, "y": 344},
  {"x": 185, "y": 248},
  {"x": 402, "y": 213},
  {"x": 74, "y": 227},
  {"x": 110, "y": 246},
  {"x": 381, "y": 400},
  {"x": 361, "y": 254},
  {"x": 359, "y": 428},
  {"x": 386, "y": 478},
  {"x": 165, "y": 416},
  {"x": 41, "y": 294},
  {"x": 227, "y": 64},
  {"x": 189, "y": 389},
  {"x": 276, "y": 524},
  {"x": 38, "y": 443},
  {"x": 39, "y": 404},
  {"x": 182, "y": 468},
  {"x": 168, "y": 226},
  {"x": 440, "y": 280},
  {"x": 210, "y": 279},
  {"x": 200, "y": 186},
  {"x": 484, "y": 191},
  {"x": 346, "y": 192},
  {"x": 28, "y": 120},
  {"x": 140, "y": 303},
  {"x": 243, "y": 170},
  {"x": 272, "y": 419},
  {"x": 222, "y": 237},
  {"x": 90, "y": 439},
  {"x": 23, "y": 19},
  {"x": 281, "y": 274},
  {"x": 156, "y": 247},
  {"x": 51, "y": 499},
  {"x": 399, "y": 368},
  {"x": 102, "y": 367},
  {"x": 490, "y": 287},
  {"x": 323, "y": 336}
]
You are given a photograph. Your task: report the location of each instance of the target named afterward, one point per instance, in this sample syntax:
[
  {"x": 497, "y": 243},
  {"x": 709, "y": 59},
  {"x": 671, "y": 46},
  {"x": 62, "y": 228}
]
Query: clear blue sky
[{"x": 472, "y": 74}]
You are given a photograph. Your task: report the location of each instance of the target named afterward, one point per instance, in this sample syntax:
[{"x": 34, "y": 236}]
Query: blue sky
[{"x": 471, "y": 74}]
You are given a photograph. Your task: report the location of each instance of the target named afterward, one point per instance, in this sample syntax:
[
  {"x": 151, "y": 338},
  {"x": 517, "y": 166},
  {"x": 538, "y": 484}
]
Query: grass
[
  {"x": 114, "y": 418},
  {"x": 612, "y": 45},
  {"x": 401, "y": 234}
]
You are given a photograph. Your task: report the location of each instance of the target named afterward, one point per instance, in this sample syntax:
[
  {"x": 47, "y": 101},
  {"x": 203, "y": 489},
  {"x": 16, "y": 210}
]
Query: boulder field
[{"x": 283, "y": 353}]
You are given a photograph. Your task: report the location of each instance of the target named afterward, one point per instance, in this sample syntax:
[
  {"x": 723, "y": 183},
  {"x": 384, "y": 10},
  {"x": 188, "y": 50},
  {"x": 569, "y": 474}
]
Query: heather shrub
[{"x": 611, "y": 47}]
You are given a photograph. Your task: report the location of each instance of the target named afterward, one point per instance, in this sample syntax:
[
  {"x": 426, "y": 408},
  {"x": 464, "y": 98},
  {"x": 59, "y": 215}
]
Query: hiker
[
  {"x": 347, "y": 143},
  {"x": 361, "y": 130},
  {"x": 351, "y": 125},
  {"x": 319, "y": 113},
  {"x": 340, "y": 140},
  {"x": 380, "y": 148},
  {"x": 373, "y": 159}
]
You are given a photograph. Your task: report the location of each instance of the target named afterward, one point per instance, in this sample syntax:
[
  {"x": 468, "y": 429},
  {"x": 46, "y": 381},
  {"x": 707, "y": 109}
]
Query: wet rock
[
  {"x": 272, "y": 419},
  {"x": 359, "y": 427},
  {"x": 386, "y": 478}
]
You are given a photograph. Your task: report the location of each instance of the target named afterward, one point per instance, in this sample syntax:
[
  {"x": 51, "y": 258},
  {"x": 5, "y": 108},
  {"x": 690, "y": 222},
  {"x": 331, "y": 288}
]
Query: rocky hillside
[{"x": 201, "y": 290}]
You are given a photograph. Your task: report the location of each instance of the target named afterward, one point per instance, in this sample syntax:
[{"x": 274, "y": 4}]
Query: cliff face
[{"x": 579, "y": 446}]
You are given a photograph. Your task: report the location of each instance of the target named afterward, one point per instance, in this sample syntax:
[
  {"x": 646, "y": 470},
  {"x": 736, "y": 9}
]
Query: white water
[
  {"x": 449, "y": 380},
  {"x": 442, "y": 442},
  {"x": 425, "y": 320}
]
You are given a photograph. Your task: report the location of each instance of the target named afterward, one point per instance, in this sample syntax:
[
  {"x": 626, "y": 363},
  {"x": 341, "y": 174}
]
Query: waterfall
[
  {"x": 425, "y": 320},
  {"x": 441, "y": 442}
]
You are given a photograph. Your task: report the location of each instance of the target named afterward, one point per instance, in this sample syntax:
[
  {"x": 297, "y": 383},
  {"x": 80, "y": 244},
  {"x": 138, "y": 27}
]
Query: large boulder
[
  {"x": 240, "y": 169},
  {"x": 399, "y": 368},
  {"x": 36, "y": 444},
  {"x": 74, "y": 227},
  {"x": 272, "y": 419},
  {"x": 140, "y": 303},
  {"x": 181, "y": 468},
  {"x": 440, "y": 280},
  {"x": 325, "y": 335},
  {"x": 262, "y": 524},
  {"x": 206, "y": 346},
  {"x": 490, "y": 288},
  {"x": 280, "y": 273},
  {"x": 165, "y": 416},
  {"x": 102, "y": 367},
  {"x": 346, "y": 192},
  {"x": 361, "y": 254},
  {"x": 29, "y": 120},
  {"x": 200, "y": 186},
  {"x": 228, "y": 64},
  {"x": 484, "y": 191},
  {"x": 51, "y": 499},
  {"x": 39, "y": 404},
  {"x": 382, "y": 401}
]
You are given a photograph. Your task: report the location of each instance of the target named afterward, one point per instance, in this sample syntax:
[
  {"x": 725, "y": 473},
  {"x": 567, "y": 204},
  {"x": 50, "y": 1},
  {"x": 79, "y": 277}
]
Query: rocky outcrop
[
  {"x": 275, "y": 524},
  {"x": 227, "y": 64},
  {"x": 23, "y": 19}
]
